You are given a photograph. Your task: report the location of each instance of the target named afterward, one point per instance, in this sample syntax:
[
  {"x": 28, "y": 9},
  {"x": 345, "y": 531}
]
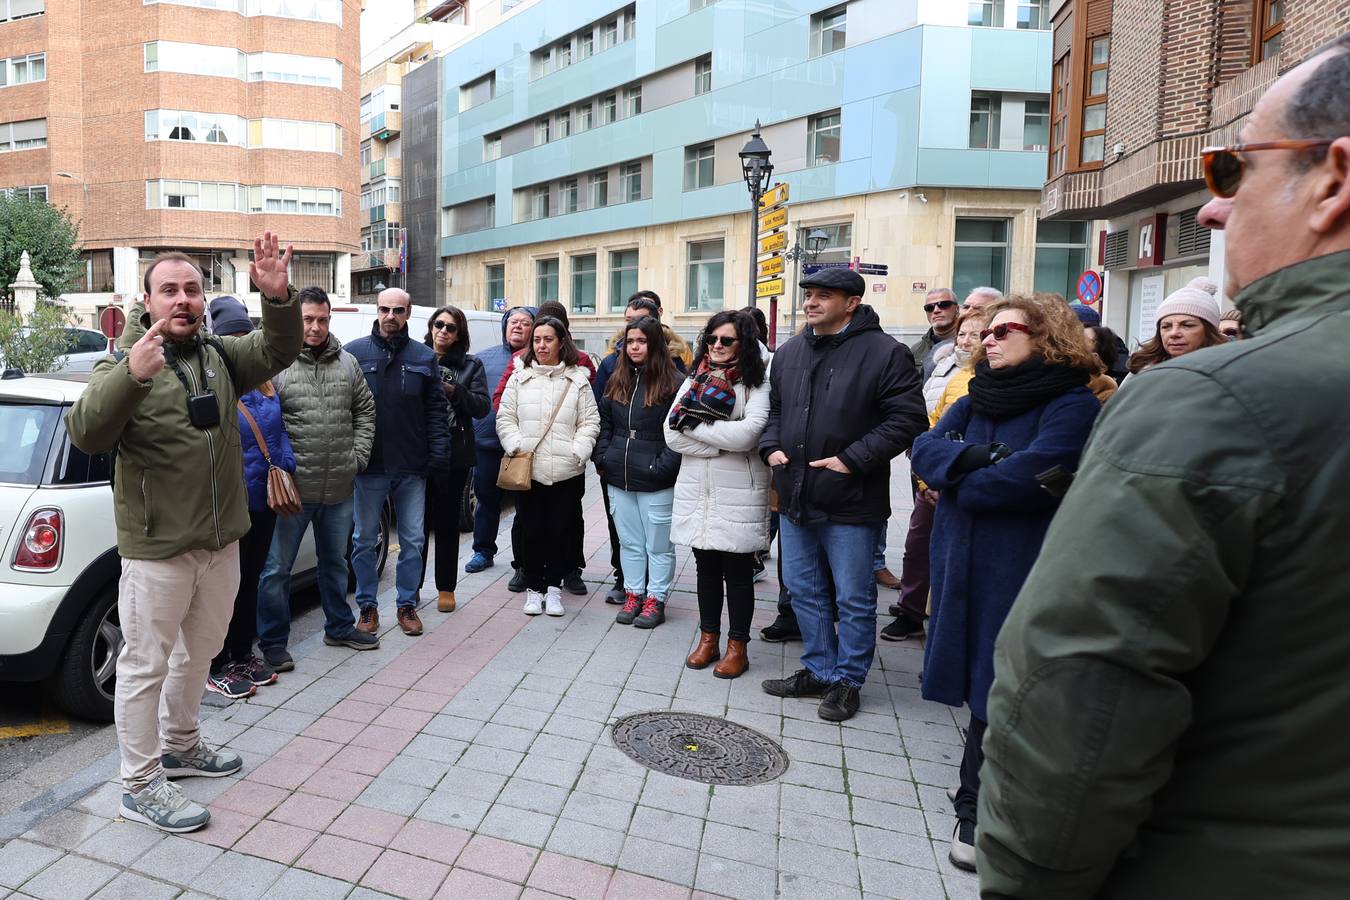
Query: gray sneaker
[
  {"x": 201, "y": 760},
  {"x": 357, "y": 640},
  {"x": 163, "y": 805}
]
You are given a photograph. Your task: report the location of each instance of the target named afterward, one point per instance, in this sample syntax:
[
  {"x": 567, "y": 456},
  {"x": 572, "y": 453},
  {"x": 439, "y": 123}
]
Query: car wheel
[
  {"x": 86, "y": 677},
  {"x": 468, "y": 505},
  {"x": 381, "y": 547}
]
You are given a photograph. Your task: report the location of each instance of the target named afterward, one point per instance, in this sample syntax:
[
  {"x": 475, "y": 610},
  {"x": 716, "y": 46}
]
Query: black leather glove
[{"x": 976, "y": 456}]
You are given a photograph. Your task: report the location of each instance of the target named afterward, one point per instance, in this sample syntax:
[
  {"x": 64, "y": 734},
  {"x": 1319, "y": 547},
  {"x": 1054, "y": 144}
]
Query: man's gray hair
[
  {"x": 1321, "y": 107},
  {"x": 992, "y": 293},
  {"x": 948, "y": 293}
]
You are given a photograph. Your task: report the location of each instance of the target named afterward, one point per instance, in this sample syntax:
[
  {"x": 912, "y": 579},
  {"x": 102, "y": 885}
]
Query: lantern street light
[
  {"x": 815, "y": 243},
  {"x": 757, "y": 170}
]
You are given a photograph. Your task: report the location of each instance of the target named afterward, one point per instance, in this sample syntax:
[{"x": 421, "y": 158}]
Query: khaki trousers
[{"x": 174, "y": 614}]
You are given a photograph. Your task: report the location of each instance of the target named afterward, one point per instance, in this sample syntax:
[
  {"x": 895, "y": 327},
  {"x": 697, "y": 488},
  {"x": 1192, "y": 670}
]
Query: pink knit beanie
[{"x": 1199, "y": 298}]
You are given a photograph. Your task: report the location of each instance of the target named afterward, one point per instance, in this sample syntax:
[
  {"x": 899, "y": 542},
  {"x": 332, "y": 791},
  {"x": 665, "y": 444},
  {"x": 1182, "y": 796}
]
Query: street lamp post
[
  {"x": 757, "y": 170},
  {"x": 815, "y": 243}
]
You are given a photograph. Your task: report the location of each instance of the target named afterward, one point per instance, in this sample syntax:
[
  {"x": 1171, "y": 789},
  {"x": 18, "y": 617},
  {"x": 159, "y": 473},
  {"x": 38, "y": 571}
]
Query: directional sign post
[
  {"x": 772, "y": 266},
  {"x": 773, "y": 243},
  {"x": 770, "y": 221},
  {"x": 776, "y": 196},
  {"x": 772, "y": 240},
  {"x": 771, "y": 288}
]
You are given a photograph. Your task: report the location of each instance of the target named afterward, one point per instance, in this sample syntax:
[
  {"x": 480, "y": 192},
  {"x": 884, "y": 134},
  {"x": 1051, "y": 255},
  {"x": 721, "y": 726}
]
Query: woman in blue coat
[
  {"x": 237, "y": 671},
  {"x": 1028, "y": 412}
]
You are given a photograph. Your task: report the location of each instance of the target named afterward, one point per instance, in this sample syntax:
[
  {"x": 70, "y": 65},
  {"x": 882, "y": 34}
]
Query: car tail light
[{"x": 39, "y": 547}]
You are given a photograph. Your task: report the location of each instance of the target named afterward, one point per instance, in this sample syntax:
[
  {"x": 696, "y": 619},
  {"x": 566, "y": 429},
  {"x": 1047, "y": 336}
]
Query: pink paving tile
[
  {"x": 382, "y": 694},
  {"x": 365, "y": 760},
  {"x": 702, "y": 895},
  {"x": 570, "y": 877},
  {"x": 409, "y": 719},
  {"x": 330, "y": 729},
  {"x": 628, "y": 886},
  {"x": 500, "y": 859},
  {"x": 282, "y": 773},
  {"x": 276, "y": 841},
  {"x": 432, "y": 840},
  {"x": 462, "y": 883},
  {"x": 250, "y": 798},
  {"x": 334, "y": 783},
  {"x": 362, "y": 823},
  {"x": 426, "y": 701},
  {"x": 395, "y": 679},
  {"x": 442, "y": 684},
  {"x": 382, "y": 737},
  {"x": 356, "y": 711},
  {"x": 226, "y": 827},
  {"x": 308, "y": 811},
  {"x": 309, "y": 750},
  {"x": 338, "y": 858},
  {"x": 405, "y": 876}
]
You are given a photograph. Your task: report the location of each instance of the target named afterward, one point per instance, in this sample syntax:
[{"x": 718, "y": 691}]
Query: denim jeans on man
[
  {"x": 879, "y": 554},
  {"x": 816, "y": 558},
  {"x": 487, "y": 516},
  {"x": 408, "y": 494},
  {"x": 332, "y": 527}
]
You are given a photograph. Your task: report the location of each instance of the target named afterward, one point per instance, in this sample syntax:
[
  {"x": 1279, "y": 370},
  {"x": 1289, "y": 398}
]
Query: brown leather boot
[
  {"x": 369, "y": 622},
  {"x": 445, "y": 601},
  {"x": 408, "y": 620},
  {"x": 706, "y": 652},
  {"x": 734, "y": 664}
]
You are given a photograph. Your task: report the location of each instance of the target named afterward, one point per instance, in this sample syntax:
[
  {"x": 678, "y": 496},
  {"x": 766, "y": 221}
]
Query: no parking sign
[{"x": 1089, "y": 288}]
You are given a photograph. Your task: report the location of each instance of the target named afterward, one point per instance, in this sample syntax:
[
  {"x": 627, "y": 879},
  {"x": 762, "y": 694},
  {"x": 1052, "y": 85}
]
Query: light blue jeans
[
  {"x": 409, "y": 495},
  {"x": 642, "y": 519}
]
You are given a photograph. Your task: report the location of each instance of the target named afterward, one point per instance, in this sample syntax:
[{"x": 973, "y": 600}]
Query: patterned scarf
[{"x": 711, "y": 397}]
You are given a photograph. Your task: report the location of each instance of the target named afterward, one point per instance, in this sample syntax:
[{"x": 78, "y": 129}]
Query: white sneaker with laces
[
  {"x": 163, "y": 805},
  {"x": 534, "y": 603},
  {"x": 553, "y": 602}
]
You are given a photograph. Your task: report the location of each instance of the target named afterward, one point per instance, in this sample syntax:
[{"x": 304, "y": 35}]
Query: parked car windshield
[{"x": 26, "y": 431}]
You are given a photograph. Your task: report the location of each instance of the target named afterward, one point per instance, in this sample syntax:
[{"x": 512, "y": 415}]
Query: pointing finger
[{"x": 153, "y": 331}]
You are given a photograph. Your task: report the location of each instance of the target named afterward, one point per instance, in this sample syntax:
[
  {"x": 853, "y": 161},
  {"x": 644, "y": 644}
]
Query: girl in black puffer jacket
[{"x": 639, "y": 470}]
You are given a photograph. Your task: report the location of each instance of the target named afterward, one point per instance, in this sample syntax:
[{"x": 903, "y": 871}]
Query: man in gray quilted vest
[{"x": 330, "y": 417}]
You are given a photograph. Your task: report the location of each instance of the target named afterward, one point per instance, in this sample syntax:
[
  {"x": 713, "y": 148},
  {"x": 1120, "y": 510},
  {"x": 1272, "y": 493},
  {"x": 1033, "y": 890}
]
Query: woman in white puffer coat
[
  {"x": 722, "y": 492},
  {"x": 549, "y": 379},
  {"x": 947, "y": 360}
]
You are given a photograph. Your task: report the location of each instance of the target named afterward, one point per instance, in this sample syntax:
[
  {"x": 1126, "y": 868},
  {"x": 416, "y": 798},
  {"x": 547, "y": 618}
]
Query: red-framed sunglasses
[
  {"x": 1223, "y": 167},
  {"x": 1000, "y": 331}
]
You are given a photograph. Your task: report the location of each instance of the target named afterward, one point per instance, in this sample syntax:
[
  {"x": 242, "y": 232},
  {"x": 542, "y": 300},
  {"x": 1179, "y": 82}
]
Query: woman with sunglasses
[
  {"x": 465, "y": 384},
  {"x": 1188, "y": 320},
  {"x": 722, "y": 492},
  {"x": 1028, "y": 412},
  {"x": 639, "y": 470}
]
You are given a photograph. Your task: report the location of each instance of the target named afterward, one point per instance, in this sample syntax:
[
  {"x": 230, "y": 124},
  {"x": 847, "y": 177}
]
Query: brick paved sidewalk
[{"x": 475, "y": 762}]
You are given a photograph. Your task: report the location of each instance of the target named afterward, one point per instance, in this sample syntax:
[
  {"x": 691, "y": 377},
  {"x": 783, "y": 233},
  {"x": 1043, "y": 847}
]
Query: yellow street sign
[
  {"x": 771, "y": 288},
  {"x": 778, "y": 195},
  {"x": 771, "y": 266},
  {"x": 775, "y": 219},
  {"x": 773, "y": 243}
]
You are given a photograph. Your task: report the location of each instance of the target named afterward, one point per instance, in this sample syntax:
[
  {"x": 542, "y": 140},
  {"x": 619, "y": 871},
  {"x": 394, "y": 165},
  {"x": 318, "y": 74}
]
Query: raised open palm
[{"x": 270, "y": 268}]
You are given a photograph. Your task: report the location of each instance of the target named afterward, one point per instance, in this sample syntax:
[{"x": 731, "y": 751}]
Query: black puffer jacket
[
  {"x": 631, "y": 452},
  {"x": 470, "y": 402}
]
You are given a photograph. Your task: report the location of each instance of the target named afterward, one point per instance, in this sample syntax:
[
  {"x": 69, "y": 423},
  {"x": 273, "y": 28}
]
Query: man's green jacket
[
  {"x": 1170, "y": 717},
  {"x": 178, "y": 487}
]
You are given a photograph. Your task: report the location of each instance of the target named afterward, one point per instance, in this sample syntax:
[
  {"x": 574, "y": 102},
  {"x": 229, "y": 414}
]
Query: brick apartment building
[
  {"x": 186, "y": 124},
  {"x": 1138, "y": 88}
]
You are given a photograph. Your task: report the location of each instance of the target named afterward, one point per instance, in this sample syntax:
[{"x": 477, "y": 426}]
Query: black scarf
[{"x": 1005, "y": 393}]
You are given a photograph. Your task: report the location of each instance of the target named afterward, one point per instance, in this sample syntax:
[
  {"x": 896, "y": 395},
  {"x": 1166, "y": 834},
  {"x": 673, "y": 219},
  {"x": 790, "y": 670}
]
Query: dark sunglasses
[
  {"x": 715, "y": 339},
  {"x": 941, "y": 304},
  {"x": 1224, "y": 167},
  {"x": 445, "y": 326},
  {"x": 1000, "y": 332},
  {"x": 392, "y": 310}
]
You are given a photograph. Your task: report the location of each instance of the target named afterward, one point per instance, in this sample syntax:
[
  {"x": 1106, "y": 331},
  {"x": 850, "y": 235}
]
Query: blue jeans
[
  {"x": 642, "y": 519},
  {"x": 487, "y": 517},
  {"x": 332, "y": 527},
  {"x": 814, "y": 557},
  {"x": 409, "y": 494},
  {"x": 879, "y": 554}
]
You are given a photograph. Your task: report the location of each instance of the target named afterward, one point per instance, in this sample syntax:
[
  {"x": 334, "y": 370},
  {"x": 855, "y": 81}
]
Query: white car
[{"x": 58, "y": 550}]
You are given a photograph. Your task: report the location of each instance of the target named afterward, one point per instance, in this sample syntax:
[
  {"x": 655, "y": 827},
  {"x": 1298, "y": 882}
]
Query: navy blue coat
[
  {"x": 495, "y": 359},
  {"x": 266, "y": 411},
  {"x": 987, "y": 532},
  {"x": 412, "y": 432}
]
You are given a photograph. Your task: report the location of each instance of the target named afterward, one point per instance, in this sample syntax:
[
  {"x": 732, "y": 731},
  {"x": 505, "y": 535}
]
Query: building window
[
  {"x": 985, "y": 120},
  {"x": 494, "y": 277},
  {"x": 492, "y": 148},
  {"x": 586, "y": 45},
  {"x": 21, "y": 9},
  {"x": 827, "y": 31},
  {"x": 211, "y": 128},
  {"x": 29, "y": 192},
  {"x": 698, "y": 167},
  {"x": 539, "y": 203},
  {"x": 95, "y": 273},
  {"x": 623, "y": 278},
  {"x": 290, "y": 134},
  {"x": 1033, "y": 14},
  {"x": 541, "y": 132},
  {"x": 704, "y": 276},
  {"x": 274, "y": 198},
  {"x": 609, "y": 34},
  {"x": 630, "y": 23},
  {"x": 632, "y": 101},
  {"x": 583, "y": 283},
  {"x": 207, "y": 195},
  {"x": 545, "y": 280},
  {"x": 365, "y": 152},
  {"x": 702, "y": 75},
  {"x": 582, "y": 117},
  {"x": 327, "y": 11},
  {"x": 475, "y": 215},
  {"x": 580, "y": 45},
  {"x": 227, "y": 62},
  {"x": 1092, "y": 149},
  {"x": 479, "y": 91},
  {"x": 1061, "y": 256},
  {"x": 1059, "y": 117},
  {"x": 296, "y": 69},
  {"x": 30, "y": 134},
  {"x": 567, "y": 195},
  {"x": 23, "y": 69},
  {"x": 599, "y": 190},
  {"x": 1036, "y": 125},
  {"x": 630, "y": 181},
  {"x": 981, "y": 257},
  {"x": 562, "y": 125},
  {"x": 609, "y": 108},
  {"x": 1268, "y": 29},
  {"x": 839, "y": 245},
  {"x": 985, "y": 13},
  {"x": 823, "y": 139}
]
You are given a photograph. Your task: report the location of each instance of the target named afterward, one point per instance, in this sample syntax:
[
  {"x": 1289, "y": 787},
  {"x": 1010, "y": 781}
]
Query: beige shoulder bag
[{"x": 514, "y": 475}]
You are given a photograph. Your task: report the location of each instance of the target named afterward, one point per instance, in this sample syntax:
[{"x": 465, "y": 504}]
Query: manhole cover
[{"x": 700, "y": 748}]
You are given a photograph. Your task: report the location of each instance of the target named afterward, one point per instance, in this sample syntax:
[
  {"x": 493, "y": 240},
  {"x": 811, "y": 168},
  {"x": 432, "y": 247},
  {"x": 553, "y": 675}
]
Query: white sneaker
[
  {"x": 553, "y": 602},
  {"x": 962, "y": 853},
  {"x": 534, "y": 603}
]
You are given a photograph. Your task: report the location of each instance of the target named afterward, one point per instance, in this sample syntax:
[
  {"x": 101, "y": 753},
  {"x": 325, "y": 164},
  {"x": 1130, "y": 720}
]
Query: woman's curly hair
[{"x": 1055, "y": 331}]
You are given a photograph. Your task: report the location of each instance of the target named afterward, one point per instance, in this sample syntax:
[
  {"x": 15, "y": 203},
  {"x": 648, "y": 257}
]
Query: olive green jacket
[
  {"x": 1172, "y": 688},
  {"x": 178, "y": 487}
]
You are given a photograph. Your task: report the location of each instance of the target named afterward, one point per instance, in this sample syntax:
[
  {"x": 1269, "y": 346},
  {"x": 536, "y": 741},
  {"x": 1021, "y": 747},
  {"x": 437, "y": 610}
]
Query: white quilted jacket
[
  {"x": 527, "y": 404},
  {"x": 945, "y": 366},
  {"x": 722, "y": 493}
]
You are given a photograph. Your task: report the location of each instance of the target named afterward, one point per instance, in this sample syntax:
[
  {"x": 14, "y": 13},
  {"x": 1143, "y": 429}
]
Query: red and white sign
[{"x": 112, "y": 322}]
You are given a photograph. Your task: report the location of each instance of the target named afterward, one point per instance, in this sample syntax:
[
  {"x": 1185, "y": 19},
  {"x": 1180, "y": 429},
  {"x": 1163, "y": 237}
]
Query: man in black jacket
[
  {"x": 412, "y": 436},
  {"x": 844, "y": 400}
]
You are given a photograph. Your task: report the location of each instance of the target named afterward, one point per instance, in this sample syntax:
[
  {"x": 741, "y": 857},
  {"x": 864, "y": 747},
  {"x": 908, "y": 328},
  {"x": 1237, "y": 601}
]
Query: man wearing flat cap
[{"x": 844, "y": 400}]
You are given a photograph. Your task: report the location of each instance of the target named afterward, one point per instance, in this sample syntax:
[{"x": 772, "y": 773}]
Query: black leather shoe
[
  {"x": 517, "y": 583},
  {"x": 799, "y": 684},
  {"x": 778, "y": 632},
  {"x": 840, "y": 702},
  {"x": 905, "y": 626},
  {"x": 573, "y": 584}
]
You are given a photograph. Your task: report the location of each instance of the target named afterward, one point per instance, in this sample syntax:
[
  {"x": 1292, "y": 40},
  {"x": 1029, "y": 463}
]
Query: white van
[{"x": 356, "y": 320}]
